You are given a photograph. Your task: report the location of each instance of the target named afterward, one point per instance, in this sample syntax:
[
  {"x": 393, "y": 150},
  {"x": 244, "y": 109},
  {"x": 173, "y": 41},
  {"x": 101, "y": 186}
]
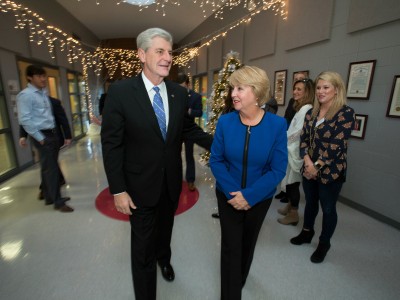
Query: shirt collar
[
  {"x": 35, "y": 89},
  {"x": 149, "y": 86}
]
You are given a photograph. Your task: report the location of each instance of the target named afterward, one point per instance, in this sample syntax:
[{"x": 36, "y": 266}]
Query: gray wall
[
  {"x": 318, "y": 35},
  {"x": 328, "y": 35}
]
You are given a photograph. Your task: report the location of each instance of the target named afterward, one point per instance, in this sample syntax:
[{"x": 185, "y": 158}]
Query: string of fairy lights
[
  {"x": 42, "y": 32},
  {"x": 188, "y": 52},
  {"x": 121, "y": 61}
]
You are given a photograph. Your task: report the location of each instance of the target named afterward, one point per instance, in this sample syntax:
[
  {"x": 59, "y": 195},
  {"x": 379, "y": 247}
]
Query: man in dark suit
[
  {"x": 144, "y": 123},
  {"x": 63, "y": 132},
  {"x": 195, "y": 109}
]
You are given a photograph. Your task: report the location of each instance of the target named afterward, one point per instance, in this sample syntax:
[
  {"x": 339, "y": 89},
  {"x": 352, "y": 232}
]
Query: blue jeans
[{"x": 326, "y": 194}]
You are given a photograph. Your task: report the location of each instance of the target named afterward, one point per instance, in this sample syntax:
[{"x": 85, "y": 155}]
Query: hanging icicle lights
[{"x": 126, "y": 61}]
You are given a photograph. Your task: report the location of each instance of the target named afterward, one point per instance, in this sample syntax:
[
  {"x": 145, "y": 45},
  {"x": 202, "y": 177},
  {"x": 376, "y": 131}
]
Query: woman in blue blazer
[{"x": 248, "y": 159}]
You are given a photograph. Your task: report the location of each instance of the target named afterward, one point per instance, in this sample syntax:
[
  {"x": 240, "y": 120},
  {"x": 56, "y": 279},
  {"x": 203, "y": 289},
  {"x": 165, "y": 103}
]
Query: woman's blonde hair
[
  {"x": 309, "y": 93},
  {"x": 254, "y": 77},
  {"x": 340, "y": 98}
]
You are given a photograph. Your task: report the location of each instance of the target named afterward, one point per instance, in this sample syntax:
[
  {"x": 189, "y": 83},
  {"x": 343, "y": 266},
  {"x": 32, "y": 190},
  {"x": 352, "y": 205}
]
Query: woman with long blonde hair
[{"x": 323, "y": 145}]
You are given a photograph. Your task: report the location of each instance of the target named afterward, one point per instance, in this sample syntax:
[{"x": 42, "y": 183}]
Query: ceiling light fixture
[
  {"x": 140, "y": 2},
  {"x": 216, "y": 6}
]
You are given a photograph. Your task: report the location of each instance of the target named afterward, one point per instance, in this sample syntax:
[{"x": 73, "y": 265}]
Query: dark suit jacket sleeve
[
  {"x": 22, "y": 132},
  {"x": 101, "y": 103},
  {"x": 191, "y": 131},
  {"x": 61, "y": 118},
  {"x": 113, "y": 141},
  {"x": 196, "y": 105}
]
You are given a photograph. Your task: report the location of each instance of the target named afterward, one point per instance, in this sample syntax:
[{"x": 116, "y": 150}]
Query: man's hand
[
  {"x": 123, "y": 203},
  {"x": 67, "y": 142},
  {"x": 238, "y": 201},
  {"x": 22, "y": 142}
]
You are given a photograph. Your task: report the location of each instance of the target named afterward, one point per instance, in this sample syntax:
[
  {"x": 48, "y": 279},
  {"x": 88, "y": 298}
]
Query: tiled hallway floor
[{"x": 84, "y": 255}]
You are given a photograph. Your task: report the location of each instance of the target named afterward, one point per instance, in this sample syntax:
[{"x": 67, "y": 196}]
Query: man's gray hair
[{"x": 143, "y": 40}]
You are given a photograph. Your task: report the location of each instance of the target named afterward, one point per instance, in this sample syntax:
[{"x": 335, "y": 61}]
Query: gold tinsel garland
[{"x": 219, "y": 95}]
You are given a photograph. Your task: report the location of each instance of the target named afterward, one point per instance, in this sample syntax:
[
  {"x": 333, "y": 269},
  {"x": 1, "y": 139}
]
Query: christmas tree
[{"x": 219, "y": 95}]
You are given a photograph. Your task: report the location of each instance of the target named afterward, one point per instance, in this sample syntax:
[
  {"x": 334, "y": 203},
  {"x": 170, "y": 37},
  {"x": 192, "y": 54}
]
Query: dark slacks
[
  {"x": 293, "y": 194},
  {"x": 48, "y": 155},
  {"x": 326, "y": 194},
  {"x": 239, "y": 234},
  {"x": 62, "y": 178},
  {"x": 190, "y": 165},
  {"x": 151, "y": 232}
]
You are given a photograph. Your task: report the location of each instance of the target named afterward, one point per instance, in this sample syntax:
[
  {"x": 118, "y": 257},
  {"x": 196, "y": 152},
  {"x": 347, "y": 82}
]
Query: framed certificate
[
  {"x": 360, "y": 126},
  {"x": 393, "y": 109},
  {"x": 280, "y": 86},
  {"x": 360, "y": 79},
  {"x": 305, "y": 73}
]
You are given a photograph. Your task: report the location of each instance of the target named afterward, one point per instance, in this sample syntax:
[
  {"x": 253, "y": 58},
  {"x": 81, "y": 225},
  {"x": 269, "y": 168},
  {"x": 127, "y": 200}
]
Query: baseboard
[
  {"x": 13, "y": 172},
  {"x": 370, "y": 212}
]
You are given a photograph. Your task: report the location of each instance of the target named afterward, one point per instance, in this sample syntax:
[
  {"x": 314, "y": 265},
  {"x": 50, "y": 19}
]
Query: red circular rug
[{"x": 105, "y": 203}]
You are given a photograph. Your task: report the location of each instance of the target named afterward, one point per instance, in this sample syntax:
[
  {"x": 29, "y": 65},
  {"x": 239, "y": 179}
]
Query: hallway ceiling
[{"x": 109, "y": 20}]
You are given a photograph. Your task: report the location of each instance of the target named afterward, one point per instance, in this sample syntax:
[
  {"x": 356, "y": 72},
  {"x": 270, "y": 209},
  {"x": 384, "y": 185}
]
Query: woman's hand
[
  {"x": 238, "y": 201},
  {"x": 310, "y": 172}
]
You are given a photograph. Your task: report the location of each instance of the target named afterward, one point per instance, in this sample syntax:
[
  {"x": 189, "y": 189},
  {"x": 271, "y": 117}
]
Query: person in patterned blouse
[{"x": 323, "y": 145}]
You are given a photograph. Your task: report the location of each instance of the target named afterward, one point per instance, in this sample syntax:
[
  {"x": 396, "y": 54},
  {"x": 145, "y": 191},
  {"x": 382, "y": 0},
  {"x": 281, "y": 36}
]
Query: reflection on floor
[{"x": 84, "y": 255}]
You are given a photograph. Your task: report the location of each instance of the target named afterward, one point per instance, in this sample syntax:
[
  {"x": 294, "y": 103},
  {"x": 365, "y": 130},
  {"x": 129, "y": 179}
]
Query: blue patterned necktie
[{"x": 159, "y": 110}]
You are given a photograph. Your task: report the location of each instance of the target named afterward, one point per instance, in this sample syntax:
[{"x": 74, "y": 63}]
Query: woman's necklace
[
  {"x": 318, "y": 120},
  {"x": 255, "y": 121}
]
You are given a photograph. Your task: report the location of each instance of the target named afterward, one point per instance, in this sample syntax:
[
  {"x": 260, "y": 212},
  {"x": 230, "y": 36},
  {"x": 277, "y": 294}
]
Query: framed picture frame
[
  {"x": 393, "y": 110},
  {"x": 359, "y": 79},
  {"x": 280, "y": 86},
  {"x": 360, "y": 126},
  {"x": 305, "y": 72}
]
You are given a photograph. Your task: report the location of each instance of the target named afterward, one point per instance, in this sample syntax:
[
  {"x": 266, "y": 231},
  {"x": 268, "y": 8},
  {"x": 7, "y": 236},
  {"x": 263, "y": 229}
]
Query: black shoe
[
  {"x": 304, "y": 237},
  {"x": 319, "y": 255},
  {"x": 168, "y": 272},
  {"x": 40, "y": 196},
  {"x": 215, "y": 215},
  {"x": 281, "y": 195},
  {"x": 284, "y": 200}
]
